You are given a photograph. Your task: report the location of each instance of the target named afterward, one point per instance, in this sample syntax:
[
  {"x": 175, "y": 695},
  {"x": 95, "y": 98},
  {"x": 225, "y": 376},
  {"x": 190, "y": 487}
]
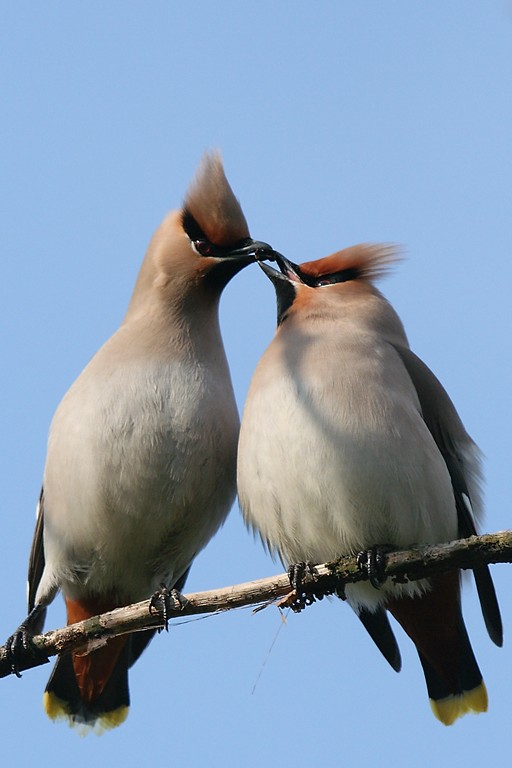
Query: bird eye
[{"x": 203, "y": 247}]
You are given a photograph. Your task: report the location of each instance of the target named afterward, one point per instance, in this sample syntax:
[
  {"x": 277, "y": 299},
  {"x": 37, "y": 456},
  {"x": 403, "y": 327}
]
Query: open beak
[
  {"x": 273, "y": 274},
  {"x": 285, "y": 283},
  {"x": 289, "y": 270}
]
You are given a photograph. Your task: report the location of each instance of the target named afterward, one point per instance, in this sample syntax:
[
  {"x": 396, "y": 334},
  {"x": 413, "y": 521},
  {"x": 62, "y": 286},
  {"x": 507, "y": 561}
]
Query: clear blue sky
[{"x": 339, "y": 122}]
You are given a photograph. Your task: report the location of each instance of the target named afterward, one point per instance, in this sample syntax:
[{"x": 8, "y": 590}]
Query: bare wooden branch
[{"x": 408, "y": 565}]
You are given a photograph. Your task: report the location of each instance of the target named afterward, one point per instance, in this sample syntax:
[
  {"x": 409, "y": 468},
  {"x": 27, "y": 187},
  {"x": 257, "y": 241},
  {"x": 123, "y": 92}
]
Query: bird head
[
  {"x": 344, "y": 274},
  {"x": 200, "y": 247}
]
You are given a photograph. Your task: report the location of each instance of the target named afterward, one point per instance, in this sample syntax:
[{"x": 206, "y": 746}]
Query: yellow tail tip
[
  {"x": 54, "y": 707},
  {"x": 57, "y": 709},
  {"x": 452, "y": 707}
]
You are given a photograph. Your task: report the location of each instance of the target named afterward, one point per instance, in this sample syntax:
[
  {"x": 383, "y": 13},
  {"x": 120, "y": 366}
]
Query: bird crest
[
  {"x": 366, "y": 261},
  {"x": 210, "y": 206}
]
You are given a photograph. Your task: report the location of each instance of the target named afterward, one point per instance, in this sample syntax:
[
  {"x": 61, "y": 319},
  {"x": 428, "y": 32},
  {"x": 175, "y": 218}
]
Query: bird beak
[
  {"x": 285, "y": 283},
  {"x": 273, "y": 274},
  {"x": 289, "y": 271},
  {"x": 253, "y": 250},
  {"x": 249, "y": 250}
]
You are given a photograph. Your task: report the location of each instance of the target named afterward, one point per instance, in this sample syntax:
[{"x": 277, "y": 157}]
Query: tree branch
[{"x": 407, "y": 565}]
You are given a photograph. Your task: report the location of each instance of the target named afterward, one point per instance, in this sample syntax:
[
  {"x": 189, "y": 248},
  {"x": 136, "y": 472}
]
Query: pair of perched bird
[{"x": 347, "y": 441}]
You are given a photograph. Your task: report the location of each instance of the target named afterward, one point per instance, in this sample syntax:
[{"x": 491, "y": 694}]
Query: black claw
[
  {"x": 19, "y": 646},
  {"x": 373, "y": 562},
  {"x": 301, "y": 577},
  {"x": 166, "y": 600},
  {"x": 299, "y": 574},
  {"x": 296, "y": 574}
]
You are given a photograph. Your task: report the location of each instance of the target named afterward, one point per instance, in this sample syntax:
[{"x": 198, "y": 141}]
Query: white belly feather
[
  {"x": 125, "y": 510},
  {"x": 330, "y": 463}
]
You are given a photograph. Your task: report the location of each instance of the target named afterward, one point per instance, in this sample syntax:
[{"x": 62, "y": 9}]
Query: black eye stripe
[
  {"x": 343, "y": 276},
  {"x": 201, "y": 243},
  {"x": 191, "y": 227}
]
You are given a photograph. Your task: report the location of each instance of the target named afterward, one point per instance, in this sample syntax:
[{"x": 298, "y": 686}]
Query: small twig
[{"x": 408, "y": 565}]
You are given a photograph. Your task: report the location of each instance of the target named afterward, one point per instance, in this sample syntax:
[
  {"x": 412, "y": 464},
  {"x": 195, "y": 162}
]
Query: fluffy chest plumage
[
  {"x": 146, "y": 474},
  {"x": 334, "y": 455}
]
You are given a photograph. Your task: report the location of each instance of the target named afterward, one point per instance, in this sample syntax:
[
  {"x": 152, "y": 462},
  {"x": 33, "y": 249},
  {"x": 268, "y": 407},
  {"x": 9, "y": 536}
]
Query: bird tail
[
  {"x": 91, "y": 691},
  {"x": 471, "y": 695},
  {"x": 434, "y": 623}
]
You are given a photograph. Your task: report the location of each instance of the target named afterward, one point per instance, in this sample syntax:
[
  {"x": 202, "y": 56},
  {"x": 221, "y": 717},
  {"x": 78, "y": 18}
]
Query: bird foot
[
  {"x": 164, "y": 601},
  {"x": 373, "y": 562},
  {"x": 302, "y": 581},
  {"x": 19, "y": 646}
]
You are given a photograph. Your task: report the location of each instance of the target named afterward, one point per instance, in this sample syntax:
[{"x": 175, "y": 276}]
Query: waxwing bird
[
  {"x": 140, "y": 471},
  {"x": 348, "y": 441}
]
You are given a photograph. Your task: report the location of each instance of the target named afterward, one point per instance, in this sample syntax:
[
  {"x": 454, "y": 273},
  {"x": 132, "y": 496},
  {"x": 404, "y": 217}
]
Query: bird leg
[
  {"x": 19, "y": 645},
  {"x": 164, "y": 601},
  {"x": 302, "y": 581},
  {"x": 373, "y": 561}
]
